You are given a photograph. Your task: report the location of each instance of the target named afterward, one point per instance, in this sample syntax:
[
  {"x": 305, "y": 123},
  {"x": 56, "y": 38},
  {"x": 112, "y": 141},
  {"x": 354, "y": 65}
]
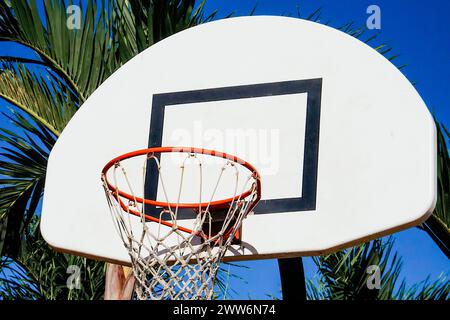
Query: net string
[{"x": 185, "y": 268}]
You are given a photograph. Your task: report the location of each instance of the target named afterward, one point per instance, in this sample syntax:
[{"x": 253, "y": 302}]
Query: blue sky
[{"x": 419, "y": 32}]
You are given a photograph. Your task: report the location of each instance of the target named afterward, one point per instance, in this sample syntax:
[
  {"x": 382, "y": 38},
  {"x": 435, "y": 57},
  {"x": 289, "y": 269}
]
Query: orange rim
[{"x": 158, "y": 150}]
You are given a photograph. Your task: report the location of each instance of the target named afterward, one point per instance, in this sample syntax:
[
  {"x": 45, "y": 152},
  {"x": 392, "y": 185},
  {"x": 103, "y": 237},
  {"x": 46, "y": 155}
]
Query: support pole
[
  {"x": 292, "y": 277},
  {"x": 119, "y": 282}
]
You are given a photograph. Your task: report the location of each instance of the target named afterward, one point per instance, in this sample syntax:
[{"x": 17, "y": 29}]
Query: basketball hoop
[{"x": 174, "y": 258}]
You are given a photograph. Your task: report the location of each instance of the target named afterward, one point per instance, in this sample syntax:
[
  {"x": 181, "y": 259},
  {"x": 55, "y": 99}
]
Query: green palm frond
[
  {"x": 316, "y": 290},
  {"x": 42, "y": 273},
  {"x": 344, "y": 276},
  {"x": 359, "y": 32},
  {"x": 145, "y": 22},
  {"x": 23, "y": 161},
  {"x": 76, "y": 62},
  {"x": 45, "y": 99},
  {"x": 438, "y": 225},
  {"x": 425, "y": 290},
  {"x": 15, "y": 283},
  {"x": 81, "y": 58},
  {"x": 224, "y": 275},
  {"x": 67, "y": 66}
]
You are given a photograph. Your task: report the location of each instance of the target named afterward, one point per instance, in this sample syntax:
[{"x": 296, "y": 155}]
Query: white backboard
[{"x": 344, "y": 144}]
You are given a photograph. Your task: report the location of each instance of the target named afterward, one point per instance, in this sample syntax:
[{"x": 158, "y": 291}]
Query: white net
[{"x": 173, "y": 258}]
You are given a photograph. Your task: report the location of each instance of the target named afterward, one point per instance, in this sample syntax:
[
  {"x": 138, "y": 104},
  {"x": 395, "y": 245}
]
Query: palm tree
[
  {"x": 438, "y": 225},
  {"x": 41, "y": 273},
  {"x": 43, "y": 89},
  {"x": 343, "y": 276}
]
